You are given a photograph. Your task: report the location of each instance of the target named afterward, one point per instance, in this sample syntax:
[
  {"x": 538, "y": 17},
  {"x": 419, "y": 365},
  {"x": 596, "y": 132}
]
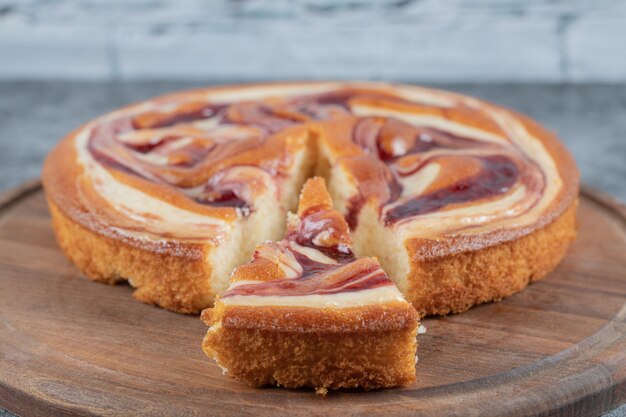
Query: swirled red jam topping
[
  {"x": 420, "y": 153},
  {"x": 470, "y": 170},
  {"x": 360, "y": 275},
  {"x": 496, "y": 176}
]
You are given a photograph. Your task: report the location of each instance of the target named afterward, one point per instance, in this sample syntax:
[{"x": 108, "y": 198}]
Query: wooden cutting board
[{"x": 70, "y": 346}]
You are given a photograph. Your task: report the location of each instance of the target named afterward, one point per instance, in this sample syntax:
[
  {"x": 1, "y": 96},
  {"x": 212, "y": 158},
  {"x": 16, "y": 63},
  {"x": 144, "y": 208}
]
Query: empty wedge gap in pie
[
  {"x": 306, "y": 312},
  {"x": 460, "y": 201}
]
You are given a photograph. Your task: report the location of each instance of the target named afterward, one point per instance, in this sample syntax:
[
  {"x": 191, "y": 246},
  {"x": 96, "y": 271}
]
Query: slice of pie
[{"x": 305, "y": 312}]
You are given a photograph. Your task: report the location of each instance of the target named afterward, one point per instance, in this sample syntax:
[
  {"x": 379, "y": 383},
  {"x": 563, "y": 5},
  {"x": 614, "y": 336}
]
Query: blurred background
[{"x": 426, "y": 40}]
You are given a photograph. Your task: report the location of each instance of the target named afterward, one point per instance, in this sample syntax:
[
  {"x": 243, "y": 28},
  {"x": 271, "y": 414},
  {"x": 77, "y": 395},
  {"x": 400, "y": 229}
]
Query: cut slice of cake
[{"x": 305, "y": 312}]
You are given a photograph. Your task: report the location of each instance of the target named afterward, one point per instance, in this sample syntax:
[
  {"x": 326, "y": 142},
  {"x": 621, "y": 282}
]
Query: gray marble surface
[{"x": 590, "y": 119}]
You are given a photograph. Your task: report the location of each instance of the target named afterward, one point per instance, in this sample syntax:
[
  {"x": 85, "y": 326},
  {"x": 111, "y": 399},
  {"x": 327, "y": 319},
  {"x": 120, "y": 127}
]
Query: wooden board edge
[
  {"x": 605, "y": 199},
  {"x": 13, "y": 195}
]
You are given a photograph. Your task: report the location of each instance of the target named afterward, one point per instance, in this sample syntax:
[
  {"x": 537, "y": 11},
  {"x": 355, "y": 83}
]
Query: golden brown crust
[
  {"x": 171, "y": 275},
  {"x": 390, "y": 316},
  {"x": 179, "y": 283},
  {"x": 259, "y": 270},
  {"x": 321, "y": 360},
  {"x": 314, "y": 194},
  {"x": 454, "y": 283}
]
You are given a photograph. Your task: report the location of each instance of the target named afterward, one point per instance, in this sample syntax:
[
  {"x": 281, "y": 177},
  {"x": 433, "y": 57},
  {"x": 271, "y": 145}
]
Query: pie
[{"x": 460, "y": 201}]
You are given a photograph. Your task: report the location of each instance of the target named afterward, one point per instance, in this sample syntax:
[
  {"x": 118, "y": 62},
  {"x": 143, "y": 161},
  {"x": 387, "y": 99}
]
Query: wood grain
[{"x": 70, "y": 346}]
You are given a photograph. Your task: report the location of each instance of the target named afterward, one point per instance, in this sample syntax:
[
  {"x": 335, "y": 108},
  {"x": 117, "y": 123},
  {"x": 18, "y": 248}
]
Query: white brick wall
[{"x": 430, "y": 40}]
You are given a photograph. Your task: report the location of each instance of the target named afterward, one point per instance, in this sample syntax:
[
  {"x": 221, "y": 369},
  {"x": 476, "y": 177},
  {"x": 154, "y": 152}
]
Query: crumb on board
[{"x": 321, "y": 391}]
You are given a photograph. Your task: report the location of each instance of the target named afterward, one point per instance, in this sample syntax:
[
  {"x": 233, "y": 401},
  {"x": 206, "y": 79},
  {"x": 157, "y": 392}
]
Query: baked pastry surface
[
  {"x": 305, "y": 312},
  {"x": 461, "y": 201}
]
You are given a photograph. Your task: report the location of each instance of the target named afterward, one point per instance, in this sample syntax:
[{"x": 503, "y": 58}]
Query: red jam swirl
[
  {"x": 323, "y": 279},
  {"x": 188, "y": 165},
  {"x": 324, "y": 230},
  {"x": 388, "y": 146},
  {"x": 392, "y": 145},
  {"x": 497, "y": 175}
]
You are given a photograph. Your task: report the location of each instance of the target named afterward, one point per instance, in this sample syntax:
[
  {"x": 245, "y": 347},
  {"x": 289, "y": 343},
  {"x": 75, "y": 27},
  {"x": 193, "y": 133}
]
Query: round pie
[{"x": 460, "y": 201}]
